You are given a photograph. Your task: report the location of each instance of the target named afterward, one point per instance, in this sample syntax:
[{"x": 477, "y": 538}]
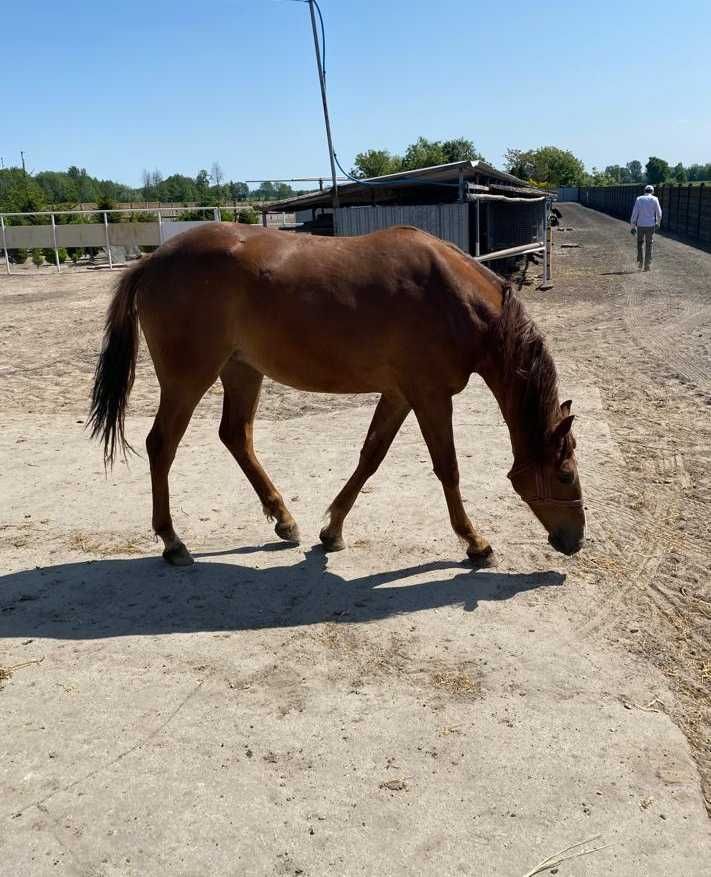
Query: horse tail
[{"x": 116, "y": 368}]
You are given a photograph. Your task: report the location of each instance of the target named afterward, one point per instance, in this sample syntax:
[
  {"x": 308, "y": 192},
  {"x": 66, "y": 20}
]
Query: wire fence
[{"x": 686, "y": 209}]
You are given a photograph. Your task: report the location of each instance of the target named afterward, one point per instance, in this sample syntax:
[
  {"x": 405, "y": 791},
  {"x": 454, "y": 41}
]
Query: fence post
[
  {"x": 4, "y": 245},
  {"x": 688, "y": 206},
  {"x": 54, "y": 243},
  {"x": 701, "y": 204},
  {"x": 108, "y": 240}
]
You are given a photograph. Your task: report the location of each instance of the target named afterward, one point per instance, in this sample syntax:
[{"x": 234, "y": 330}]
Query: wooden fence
[{"x": 686, "y": 209}]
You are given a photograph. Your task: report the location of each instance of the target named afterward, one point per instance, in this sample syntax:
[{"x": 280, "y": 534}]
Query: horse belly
[{"x": 315, "y": 362}]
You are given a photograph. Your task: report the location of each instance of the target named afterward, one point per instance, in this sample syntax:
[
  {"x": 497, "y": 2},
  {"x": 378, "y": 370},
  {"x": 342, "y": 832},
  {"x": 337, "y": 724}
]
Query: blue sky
[{"x": 120, "y": 87}]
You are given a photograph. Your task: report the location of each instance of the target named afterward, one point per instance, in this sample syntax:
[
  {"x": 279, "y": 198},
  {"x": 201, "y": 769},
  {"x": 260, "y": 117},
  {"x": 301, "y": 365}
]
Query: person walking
[{"x": 646, "y": 216}]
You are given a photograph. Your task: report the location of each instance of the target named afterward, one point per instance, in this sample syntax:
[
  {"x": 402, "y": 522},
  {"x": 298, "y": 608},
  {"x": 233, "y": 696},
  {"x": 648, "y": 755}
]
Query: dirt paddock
[{"x": 385, "y": 710}]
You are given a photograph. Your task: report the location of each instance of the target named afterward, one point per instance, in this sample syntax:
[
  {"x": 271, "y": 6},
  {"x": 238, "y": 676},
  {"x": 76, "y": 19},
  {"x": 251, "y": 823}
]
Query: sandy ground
[{"x": 385, "y": 710}]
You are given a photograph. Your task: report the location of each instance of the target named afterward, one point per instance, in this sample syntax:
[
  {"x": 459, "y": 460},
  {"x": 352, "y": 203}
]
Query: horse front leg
[
  {"x": 389, "y": 415},
  {"x": 434, "y": 415}
]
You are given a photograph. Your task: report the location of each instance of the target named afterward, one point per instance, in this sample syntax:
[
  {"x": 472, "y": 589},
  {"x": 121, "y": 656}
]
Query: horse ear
[
  {"x": 563, "y": 428},
  {"x": 566, "y": 406}
]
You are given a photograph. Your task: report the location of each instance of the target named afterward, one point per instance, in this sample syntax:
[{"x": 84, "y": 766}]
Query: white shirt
[{"x": 647, "y": 211}]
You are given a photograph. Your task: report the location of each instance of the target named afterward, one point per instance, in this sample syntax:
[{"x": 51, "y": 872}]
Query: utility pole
[
  {"x": 322, "y": 81},
  {"x": 22, "y": 156}
]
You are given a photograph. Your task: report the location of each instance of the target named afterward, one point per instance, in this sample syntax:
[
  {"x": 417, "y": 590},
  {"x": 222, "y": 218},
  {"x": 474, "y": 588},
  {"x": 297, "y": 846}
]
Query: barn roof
[{"x": 483, "y": 175}]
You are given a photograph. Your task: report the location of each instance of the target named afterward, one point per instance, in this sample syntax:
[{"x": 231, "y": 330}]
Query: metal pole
[
  {"x": 546, "y": 253},
  {"x": 160, "y": 228},
  {"x": 4, "y": 245},
  {"x": 108, "y": 240},
  {"x": 54, "y": 243},
  {"x": 322, "y": 81},
  {"x": 477, "y": 243},
  {"x": 216, "y": 214}
]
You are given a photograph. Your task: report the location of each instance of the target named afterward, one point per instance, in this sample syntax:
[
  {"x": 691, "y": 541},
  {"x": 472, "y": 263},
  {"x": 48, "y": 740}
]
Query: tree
[
  {"x": 618, "y": 173},
  {"x": 423, "y": 153},
  {"x": 679, "y": 173},
  {"x": 217, "y": 174},
  {"x": 238, "y": 191},
  {"x": 202, "y": 181},
  {"x": 635, "y": 170},
  {"x": 104, "y": 202},
  {"x": 148, "y": 192},
  {"x": 657, "y": 170},
  {"x": 376, "y": 163},
  {"x": 600, "y": 178},
  {"x": 519, "y": 163},
  {"x": 549, "y": 165},
  {"x": 248, "y": 215},
  {"x": 461, "y": 149}
]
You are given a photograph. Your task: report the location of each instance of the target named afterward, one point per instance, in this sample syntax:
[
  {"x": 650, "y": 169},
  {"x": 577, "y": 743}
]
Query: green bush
[
  {"x": 248, "y": 215},
  {"x": 75, "y": 253},
  {"x": 48, "y": 253},
  {"x": 37, "y": 257},
  {"x": 19, "y": 256}
]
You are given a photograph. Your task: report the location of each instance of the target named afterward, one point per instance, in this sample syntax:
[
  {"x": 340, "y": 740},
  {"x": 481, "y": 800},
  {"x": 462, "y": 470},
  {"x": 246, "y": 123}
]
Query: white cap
[{"x": 649, "y": 188}]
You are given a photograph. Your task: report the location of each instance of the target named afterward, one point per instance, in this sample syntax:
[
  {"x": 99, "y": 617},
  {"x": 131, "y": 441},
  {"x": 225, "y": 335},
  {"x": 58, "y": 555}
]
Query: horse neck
[{"x": 518, "y": 401}]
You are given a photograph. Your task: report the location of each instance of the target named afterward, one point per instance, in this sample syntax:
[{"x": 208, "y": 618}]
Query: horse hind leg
[
  {"x": 174, "y": 412},
  {"x": 389, "y": 415},
  {"x": 242, "y": 385}
]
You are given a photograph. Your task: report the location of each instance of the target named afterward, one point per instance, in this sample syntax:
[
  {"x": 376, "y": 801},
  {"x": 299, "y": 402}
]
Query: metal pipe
[
  {"x": 477, "y": 242},
  {"x": 108, "y": 240},
  {"x": 512, "y": 251},
  {"x": 546, "y": 253},
  {"x": 4, "y": 245},
  {"x": 322, "y": 82},
  {"x": 54, "y": 244}
]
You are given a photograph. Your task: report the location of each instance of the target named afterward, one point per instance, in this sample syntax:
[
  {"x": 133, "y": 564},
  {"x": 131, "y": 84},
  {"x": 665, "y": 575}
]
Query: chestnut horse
[{"x": 397, "y": 312}]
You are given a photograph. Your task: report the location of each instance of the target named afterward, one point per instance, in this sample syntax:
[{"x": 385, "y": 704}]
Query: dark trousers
[{"x": 645, "y": 236}]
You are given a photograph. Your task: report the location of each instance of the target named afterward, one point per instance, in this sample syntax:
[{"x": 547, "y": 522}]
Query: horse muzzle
[{"x": 566, "y": 543}]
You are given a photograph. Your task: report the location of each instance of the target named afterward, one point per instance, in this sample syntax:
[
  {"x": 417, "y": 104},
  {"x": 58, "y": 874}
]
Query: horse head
[{"x": 550, "y": 486}]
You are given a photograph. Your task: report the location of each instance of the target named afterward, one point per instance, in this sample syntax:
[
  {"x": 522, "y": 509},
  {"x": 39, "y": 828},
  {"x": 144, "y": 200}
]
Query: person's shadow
[{"x": 108, "y": 598}]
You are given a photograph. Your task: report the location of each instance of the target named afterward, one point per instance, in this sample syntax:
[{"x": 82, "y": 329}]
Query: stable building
[{"x": 486, "y": 212}]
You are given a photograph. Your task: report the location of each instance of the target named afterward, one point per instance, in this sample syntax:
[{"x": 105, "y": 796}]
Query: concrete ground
[{"x": 271, "y": 710}]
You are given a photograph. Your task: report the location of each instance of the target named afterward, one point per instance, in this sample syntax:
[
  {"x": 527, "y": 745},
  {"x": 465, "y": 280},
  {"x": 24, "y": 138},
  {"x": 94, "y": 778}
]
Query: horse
[{"x": 397, "y": 312}]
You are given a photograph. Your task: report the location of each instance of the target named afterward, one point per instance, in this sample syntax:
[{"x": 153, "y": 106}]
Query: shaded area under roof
[{"x": 442, "y": 179}]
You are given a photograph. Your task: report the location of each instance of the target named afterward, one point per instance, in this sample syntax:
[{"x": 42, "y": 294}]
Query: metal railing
[{"x": 162, "y": 214}]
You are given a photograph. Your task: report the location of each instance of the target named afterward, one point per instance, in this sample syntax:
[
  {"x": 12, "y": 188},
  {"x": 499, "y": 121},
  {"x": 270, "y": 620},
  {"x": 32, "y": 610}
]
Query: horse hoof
[
  {"x": 485, "y": 559},
  {"x": 288, "y": 532},
  {"x": 331, "y": 543},
  {"x": 178, "y": 555}
]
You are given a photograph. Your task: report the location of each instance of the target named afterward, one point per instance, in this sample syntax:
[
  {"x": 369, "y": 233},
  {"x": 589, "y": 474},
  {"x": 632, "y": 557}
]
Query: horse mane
[{"x": 530, "y": 375}]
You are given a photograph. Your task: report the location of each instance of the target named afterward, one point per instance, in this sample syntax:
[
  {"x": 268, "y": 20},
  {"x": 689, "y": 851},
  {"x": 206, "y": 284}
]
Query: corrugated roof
[{"x": 443, "y": 174}]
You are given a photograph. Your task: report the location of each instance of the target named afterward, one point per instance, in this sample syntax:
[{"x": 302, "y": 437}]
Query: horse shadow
[{"x": 143, "y": 596}]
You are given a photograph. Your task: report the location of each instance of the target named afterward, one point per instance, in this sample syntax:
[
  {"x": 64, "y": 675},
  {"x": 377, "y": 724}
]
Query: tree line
[
  {"x": 25, "y": 192},
  {"x": 547, "y": 166}
]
